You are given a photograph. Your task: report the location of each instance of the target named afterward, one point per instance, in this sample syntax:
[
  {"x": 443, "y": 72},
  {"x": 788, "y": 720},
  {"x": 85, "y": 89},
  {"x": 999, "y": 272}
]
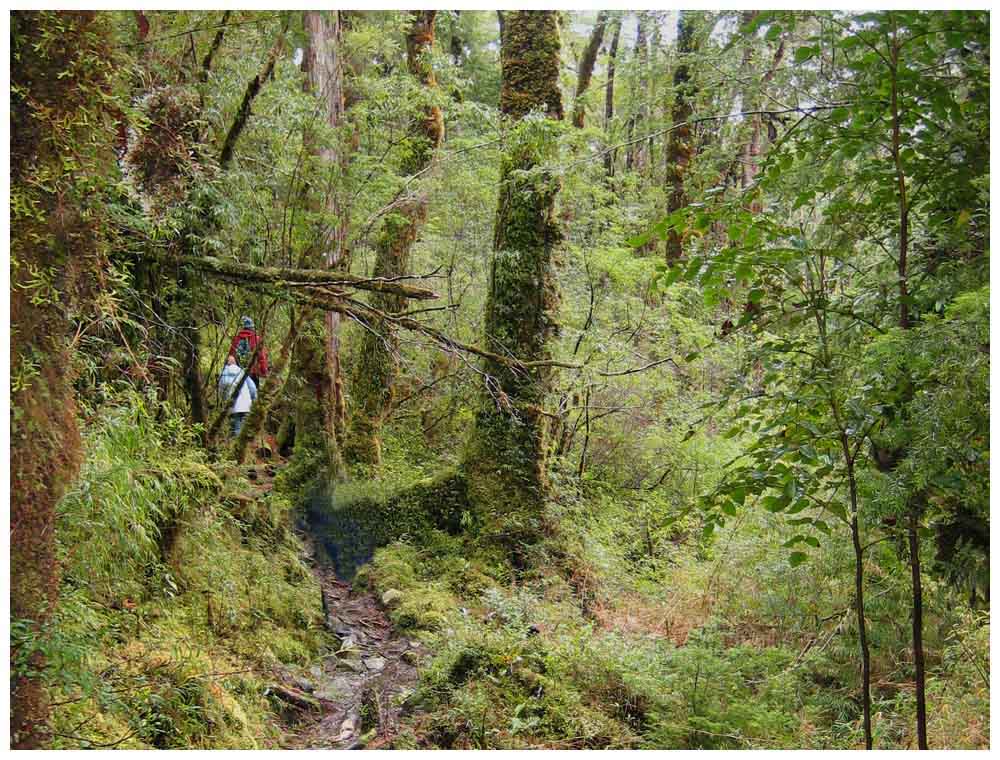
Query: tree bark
[
  {"x": 609, "y": 96},
  {"x": 859, "y": 609},
  {"x": 320, "y": 408},
  {"x": 60, "y": 65},
  {"x": 378, "y": 368},
  {"x": 505, "y": 458},
  {"x": 586, "y": 69},
  {"x": 918, "y": 625},
  {"x": 640, "y": 94},
  {"x": 905, "y": 324},
  {"x": 680, "y": 145}
]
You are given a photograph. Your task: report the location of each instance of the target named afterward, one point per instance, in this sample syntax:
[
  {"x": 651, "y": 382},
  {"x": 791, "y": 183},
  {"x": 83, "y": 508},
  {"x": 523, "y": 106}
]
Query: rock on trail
[{"x": 360, "y": 688}]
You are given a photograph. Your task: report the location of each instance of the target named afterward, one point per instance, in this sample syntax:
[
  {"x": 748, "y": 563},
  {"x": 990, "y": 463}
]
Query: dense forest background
[{"x": 633, "y": 365}]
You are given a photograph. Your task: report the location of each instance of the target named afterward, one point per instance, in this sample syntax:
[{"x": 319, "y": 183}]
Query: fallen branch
[
  {"x": 294, "y": 697},
  {"x": 295, "y": 278},
  {"x": 370, "y": 317}
]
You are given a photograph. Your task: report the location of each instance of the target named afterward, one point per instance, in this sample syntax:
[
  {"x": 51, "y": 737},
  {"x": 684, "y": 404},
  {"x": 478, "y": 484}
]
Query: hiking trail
[{"x": 353, "y": 697}]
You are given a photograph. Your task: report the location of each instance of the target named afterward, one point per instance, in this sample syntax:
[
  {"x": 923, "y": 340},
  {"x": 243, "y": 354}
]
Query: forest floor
[{"x": 353, "y": 697}]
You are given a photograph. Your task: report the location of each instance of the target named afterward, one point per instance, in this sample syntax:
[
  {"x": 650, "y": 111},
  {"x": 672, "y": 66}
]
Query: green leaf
[
  {"x": 773, "y": 503},
  {"x": 796, "y": 558},
  {"x": 639, "y": 240},
  {"x": 838, "y": 510},
  {"x": 693, "y": 267},
  {"x": 804, "y": 53}
]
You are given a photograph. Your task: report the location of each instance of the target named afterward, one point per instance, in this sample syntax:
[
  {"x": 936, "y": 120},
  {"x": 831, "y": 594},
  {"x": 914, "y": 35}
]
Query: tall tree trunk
[
  {"x": 752, "y": 148},
  {"x": 680, "y": 145},
  {"x": 640, "y": 94},
  {"x": 456, "y": 45},
  {"x": 316, "y": 359},
  {"x": 609, "y": 96},
  {"x": 59, "y": 70},
  {"x": 913, "y": 523},
  {"x": 905, "y": 324},
  {"x": 654, "y": 94},
  {"x": 586, "y": 69},
  {"x": 505, "y": 459},
  {"x": 375, "y": 377},
  {"x": 859, "y": 609}
]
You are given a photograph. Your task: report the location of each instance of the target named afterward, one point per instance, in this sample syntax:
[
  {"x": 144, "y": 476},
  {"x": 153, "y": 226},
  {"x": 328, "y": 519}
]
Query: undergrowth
[
  {"x": 619, "y": 640},
  {"x": 181, "y": 591}
]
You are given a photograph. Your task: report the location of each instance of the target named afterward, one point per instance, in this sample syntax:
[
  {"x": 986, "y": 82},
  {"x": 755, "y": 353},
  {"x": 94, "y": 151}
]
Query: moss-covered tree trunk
[
  {"x": 374, "y": 380},
  {"x": 319, "y": 410},
  {"x": 60, "y": 66},
  {"x": 634, "y": 159},
  {"x": 505, "y": 460},
  {"x": 585, "y": 71},
  {"x": 680, "y": 145}
]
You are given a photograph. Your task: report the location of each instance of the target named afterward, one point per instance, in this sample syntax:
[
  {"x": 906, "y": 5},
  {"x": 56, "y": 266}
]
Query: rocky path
[
  {"x": 353, "y": 697},
  {"x": 360, "y": 688}
]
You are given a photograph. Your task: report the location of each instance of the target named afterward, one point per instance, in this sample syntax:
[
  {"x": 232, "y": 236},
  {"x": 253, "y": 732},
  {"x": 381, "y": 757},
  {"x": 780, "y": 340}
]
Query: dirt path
[
  {"x": 353, "y": 697},
  {"x": 361, "y": 687}
]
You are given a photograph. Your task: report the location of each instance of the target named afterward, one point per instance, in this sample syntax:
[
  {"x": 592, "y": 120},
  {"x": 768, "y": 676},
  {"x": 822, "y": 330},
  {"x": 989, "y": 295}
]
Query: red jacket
[{"x": 259, "y": 367}]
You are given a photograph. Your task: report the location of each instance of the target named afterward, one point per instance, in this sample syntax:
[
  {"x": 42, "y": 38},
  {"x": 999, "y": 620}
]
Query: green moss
[
  {"x": 163, "y": 644},
  {"x": 530, "y": 60},
  {"x": 506, "y": 452},
  {"x": 352, "y": 522}
]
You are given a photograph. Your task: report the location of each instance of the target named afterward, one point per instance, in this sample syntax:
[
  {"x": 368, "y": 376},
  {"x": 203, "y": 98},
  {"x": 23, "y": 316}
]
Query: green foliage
[
  {"x": 521, "y": 668},
  {"x": 131, "y": 495},
  {"x": 176, "y": 590},
  {"x": 689, "y": 579}
]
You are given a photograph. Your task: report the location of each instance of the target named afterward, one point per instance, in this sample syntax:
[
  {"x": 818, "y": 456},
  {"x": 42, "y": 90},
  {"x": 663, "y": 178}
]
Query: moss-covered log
[
  {"x": 375, "y": 374},
  {"x": 505, "y": 460},
  {"x": 285, "y": 277}
]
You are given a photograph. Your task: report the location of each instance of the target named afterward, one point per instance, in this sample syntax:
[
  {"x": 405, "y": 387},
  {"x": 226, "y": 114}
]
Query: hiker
[
  {"x": 243, "y": 346},
  {"x": 230, "y": 378}
]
